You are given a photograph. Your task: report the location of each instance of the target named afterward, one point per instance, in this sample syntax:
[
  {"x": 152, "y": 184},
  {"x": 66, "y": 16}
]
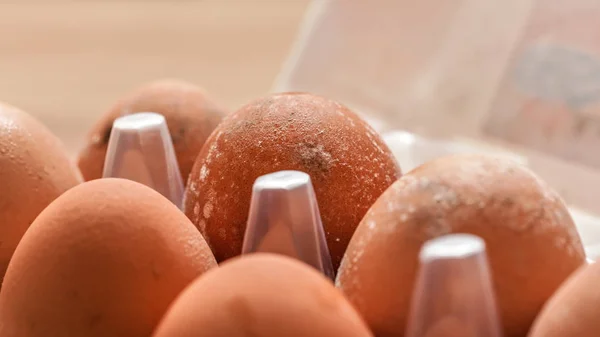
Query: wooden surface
[{"x": 66, "y": 62}]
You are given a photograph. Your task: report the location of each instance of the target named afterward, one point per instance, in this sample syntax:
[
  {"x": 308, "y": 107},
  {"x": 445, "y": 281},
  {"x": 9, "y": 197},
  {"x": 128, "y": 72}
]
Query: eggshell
[
  {"x": 348, "y": 162},
  {"x": 574, "y": 309},
  {"x": 532, "y": 242},
  {"x": 34, "y": 170},
  {"x": 262, "y": 295},
  {"x": 191, "y": 116},
  {"x": 104, "y": 259}
]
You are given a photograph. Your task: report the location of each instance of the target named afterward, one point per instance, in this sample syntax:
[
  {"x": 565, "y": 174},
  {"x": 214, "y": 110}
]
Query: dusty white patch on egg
[
  {"x": 446, "y": 198},
  {"x": 213, "y": 150},
  {"x": 371, "y": 135},
  {"x": 202, "y": 226},
  {"x": 316, "y": 154},
  {"x": 207, "y": 210},
  {"x": 371, "y": 224},
  {"x": 203, "y": 172},
  {"x": 350, "y": 120},
  {"x": 211, "y": 196},
  {"x": 190, "y": 245},
  {"x": 194, "y": 188},
  {"x": 437, "y": 227},
  {"x": 350, "y": 264},
  {"x": 560, "y": 242},
  {"x": 357, "y": 256},
  {"x": 196, "y": 209},
  {"x": 541, "y": 214}
]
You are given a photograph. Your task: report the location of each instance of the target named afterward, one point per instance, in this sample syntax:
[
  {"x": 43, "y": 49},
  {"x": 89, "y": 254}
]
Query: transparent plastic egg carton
[{"x": 519, "y": 78}]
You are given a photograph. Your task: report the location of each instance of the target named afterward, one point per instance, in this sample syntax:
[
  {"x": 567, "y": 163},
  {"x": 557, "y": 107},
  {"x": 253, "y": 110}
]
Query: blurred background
[
  {"x": 425, "y": 69},
  {"x": 65, "y": 62}
]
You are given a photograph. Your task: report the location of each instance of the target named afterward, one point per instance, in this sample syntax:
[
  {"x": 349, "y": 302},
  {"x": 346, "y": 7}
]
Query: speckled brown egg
[
  {"x": 532, "y": 243},
  {"x": 104, "y": 259},
  {"x": 574, "y": 309},
  {"x": 349, "y": 164},
  {"x": 191, "y": 116},
  {"x": 262, "y": 295},
  {"x": 34, "y": 170}
]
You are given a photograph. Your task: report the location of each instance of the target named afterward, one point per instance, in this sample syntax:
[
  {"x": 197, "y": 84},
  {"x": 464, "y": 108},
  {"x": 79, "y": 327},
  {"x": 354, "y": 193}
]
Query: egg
[
  {"x": 34, "y": 170},
  {"x": 348, "y": 163},
  {"x": 106, "y": 258},
  {"x": 532, "y": 242},
  {"x": 262, "y": 295},
  {"x": 190, "y": 114},
  {"x": 574, "y": 309}
]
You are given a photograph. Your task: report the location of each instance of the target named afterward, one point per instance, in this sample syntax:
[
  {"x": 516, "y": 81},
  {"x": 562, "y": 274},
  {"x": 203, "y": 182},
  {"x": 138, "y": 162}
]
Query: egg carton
[
  {"x": 284, "y": 217},
  {"x": 155, "y": 165},
  {"x": 278, "y": 196}
]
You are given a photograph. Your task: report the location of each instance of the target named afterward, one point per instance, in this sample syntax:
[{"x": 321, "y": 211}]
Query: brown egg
[
  {"x": 262, "y": 295},
  {"x": 104, "y": 259},
  {"x": 191, "y": 116},
  {"x": 34, "y": 170},
  {"x": 349, "y": 164},
  {"x": 574, "y": 309},
  {"x": 532, "y": 243}
]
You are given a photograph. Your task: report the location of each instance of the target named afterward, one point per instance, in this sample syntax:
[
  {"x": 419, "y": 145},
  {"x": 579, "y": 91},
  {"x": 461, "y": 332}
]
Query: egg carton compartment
[
  {"x": 444, "y": 262},
  {"x": 140, "y": 148},
  {"x": 284, "y": 216}
]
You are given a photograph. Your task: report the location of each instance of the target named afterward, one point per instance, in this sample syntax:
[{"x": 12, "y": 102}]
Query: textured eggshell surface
[
  {"x": 262, "y": 295},
  {"x": 348, "y": 162},
  {"x": 532, "y": 243},
  {"x": 34, "y": 170},
  {"x": 190, "y": 113},
  {"x": 104, "y": 259}
]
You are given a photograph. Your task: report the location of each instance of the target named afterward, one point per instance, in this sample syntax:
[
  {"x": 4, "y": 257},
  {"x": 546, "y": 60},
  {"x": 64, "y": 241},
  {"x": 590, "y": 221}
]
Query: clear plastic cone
[
  {"x": 284, "y": 218},
  {"x": 140, "y": 149},
  {"x": 428, "y": 66},
  {"x": 453, "y": 293}
]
